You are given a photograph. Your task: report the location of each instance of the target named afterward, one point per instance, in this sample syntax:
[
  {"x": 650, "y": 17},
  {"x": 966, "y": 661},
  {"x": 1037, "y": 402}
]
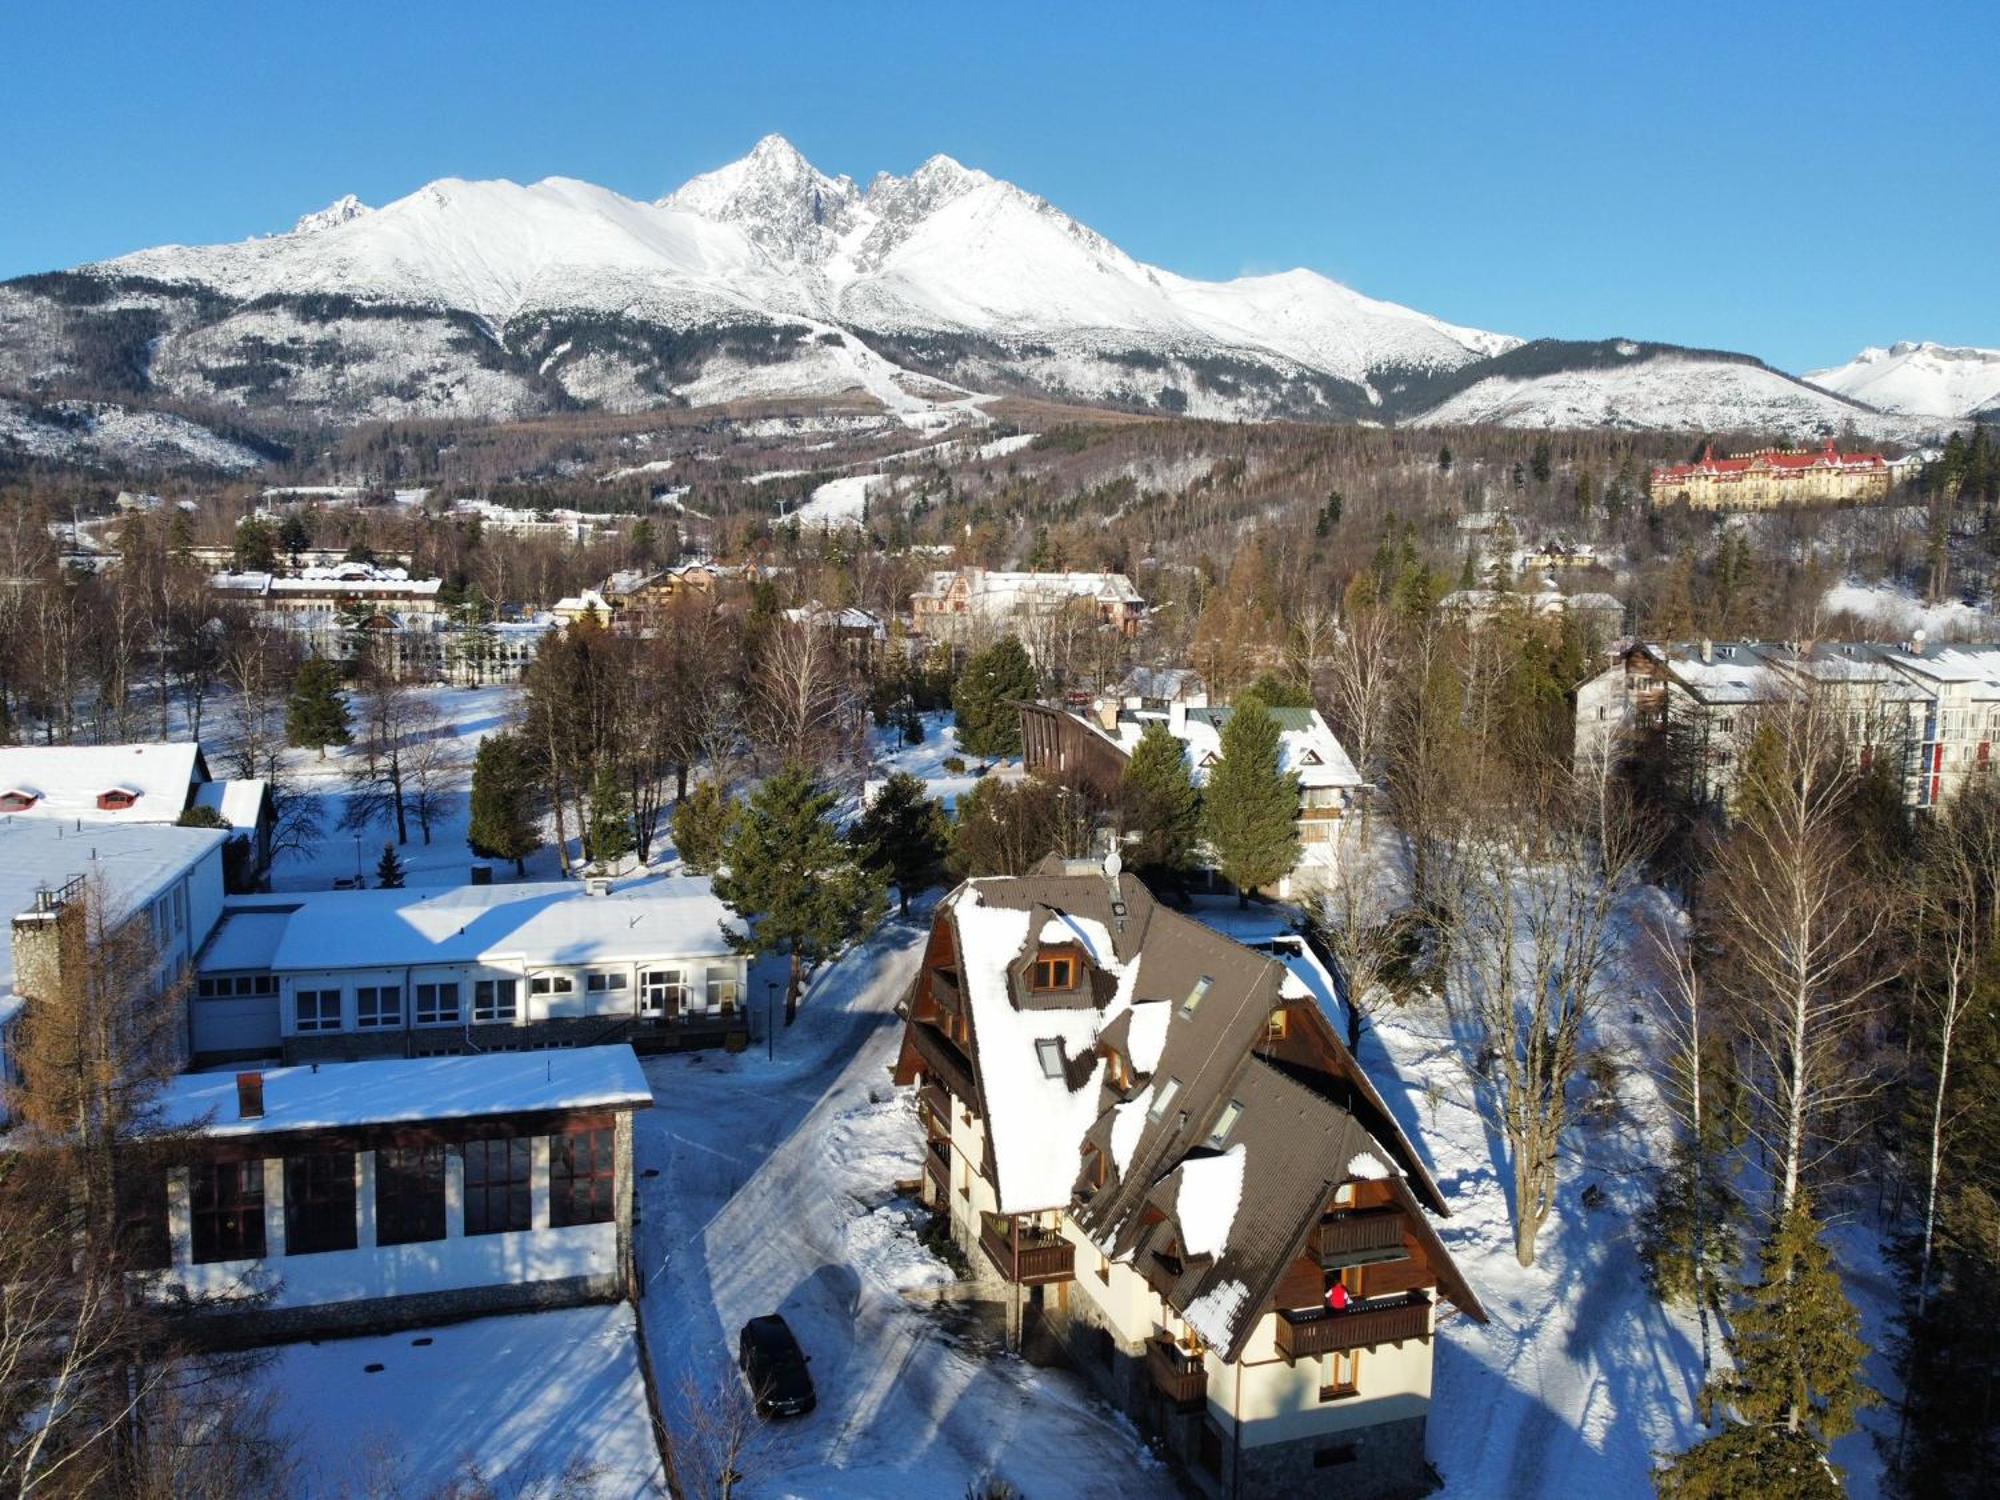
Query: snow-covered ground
[
  {"x": 839, "y": 502},
  {"x": 926, "y": 762},
  {"x": 526, "y": 1399},
  {"x": 468, "y": 716},
  {"x": 773, "y": 1194},
  {"x": 1896, "y": 613}
]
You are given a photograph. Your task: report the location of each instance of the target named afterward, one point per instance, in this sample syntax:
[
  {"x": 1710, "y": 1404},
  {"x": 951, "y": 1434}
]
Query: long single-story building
[
  {"x": 417, "y": 972},
  {"x": 306, "y": 1200}
]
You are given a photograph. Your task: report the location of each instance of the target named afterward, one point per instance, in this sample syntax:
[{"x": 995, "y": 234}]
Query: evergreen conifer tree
[
  {"x": 609, "y": 838},
  {"x": 315, "y": 713},
  {"x": 1797, "y": 1381},
  {"x": 504, "y": 825},
  {"x": 1250, "y": 806},
  {"x": 904, "y": 834},
  {"x": 389, "y": 870},
  {"x": 794, "y": 880},
  {"x": 984, "y": 698},
  {"x": 701, "y": 827},
  {"x": 1161, "y": 806}
]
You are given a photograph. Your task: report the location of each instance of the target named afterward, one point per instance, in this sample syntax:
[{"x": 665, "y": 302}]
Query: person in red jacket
[{"x": 1336, "y": 1297}]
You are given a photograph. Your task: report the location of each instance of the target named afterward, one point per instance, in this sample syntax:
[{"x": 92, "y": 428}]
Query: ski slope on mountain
[{"x": 1933, "y": 380}]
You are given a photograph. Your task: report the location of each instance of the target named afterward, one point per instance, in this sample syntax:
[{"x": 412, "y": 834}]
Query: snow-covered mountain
[
  {"x": 1622, "y": 384},
  {"x": 767, "y": 277},
  {"x": 763, "y": 277},
  {"x": 1931, "y": 380}
]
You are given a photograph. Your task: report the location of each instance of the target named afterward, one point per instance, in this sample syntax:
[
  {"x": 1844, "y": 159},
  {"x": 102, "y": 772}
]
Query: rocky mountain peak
[{"x": 340, "y": 211}]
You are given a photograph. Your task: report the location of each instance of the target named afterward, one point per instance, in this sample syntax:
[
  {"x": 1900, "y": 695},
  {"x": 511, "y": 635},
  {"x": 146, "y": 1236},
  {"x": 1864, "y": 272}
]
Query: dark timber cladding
[{"x": 1059, "y": 746}]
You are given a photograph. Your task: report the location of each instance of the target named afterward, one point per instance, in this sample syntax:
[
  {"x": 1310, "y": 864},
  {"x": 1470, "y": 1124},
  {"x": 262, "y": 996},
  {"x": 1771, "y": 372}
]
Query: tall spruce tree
[
  {"x": 315, "y": 713},
  {"x": 795, "y": 880},
  {"x": 905, "y": 835},
  {"x": 1161, "y": 808},
  {"x": 609, "y": 838},
  {"x": 1250, "y": 806},
  {"x": 389, "y": 870},
  {"x": 504, "y": 824},
  {"x": 984, "y": 698},
  {"x": 701, "y": 827},
  {"x": 1797, "y": 1381}
]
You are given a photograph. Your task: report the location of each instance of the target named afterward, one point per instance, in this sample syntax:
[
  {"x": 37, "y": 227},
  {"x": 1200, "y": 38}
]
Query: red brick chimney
[{"x": 249, "y": 1096}]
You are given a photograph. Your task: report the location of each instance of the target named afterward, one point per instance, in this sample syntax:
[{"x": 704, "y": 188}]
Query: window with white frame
[
  {"x": 316, "y": 1010},
  {"x": 722, "y": 989},
  {"x": 552, "y": 984},
  {"x": 493, "y": 999},
  {"x": 378, "y": 1005},
  {"x": 605, "y": 982},
  {"x": 663, "y": 991},
  {"x": 437, "y": 1003}
]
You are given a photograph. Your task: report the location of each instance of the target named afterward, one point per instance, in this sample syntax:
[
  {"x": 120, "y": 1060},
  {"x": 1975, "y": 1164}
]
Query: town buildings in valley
[
  {"x": 348, "y": 586},
  {"x": 304, "y": 1201},
  {"x": 1149, "y": 1139},
  {"x": 333, "y": 975},
  {"x": 1090, "y": 750},
  {"x": 1771, "y": 477},
  {"x": 964, "y": 602},
  {"x": 1931, "y": 712}
]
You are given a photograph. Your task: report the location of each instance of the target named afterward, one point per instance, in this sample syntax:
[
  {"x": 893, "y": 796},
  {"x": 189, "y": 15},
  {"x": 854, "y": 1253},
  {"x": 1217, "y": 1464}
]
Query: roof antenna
[{"x": 1114, "y": 866}]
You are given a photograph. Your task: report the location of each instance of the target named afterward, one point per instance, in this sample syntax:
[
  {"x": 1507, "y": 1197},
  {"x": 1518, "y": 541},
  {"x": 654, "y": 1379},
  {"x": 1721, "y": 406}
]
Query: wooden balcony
[
  {"x": 937, "y": 1166},
  {"x": 941, "y": 1060},
  {"x": 1177, "y": 1375},
  {"x": 934, "y": 1103},
  {"x": 1359, "y": 1239},
  {"x": 1307, "y": 1335},
  {"x": 1024, "y": 1254}
]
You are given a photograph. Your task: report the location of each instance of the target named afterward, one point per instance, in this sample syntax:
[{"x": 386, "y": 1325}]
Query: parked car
[{"x": 775, "y": 1366}]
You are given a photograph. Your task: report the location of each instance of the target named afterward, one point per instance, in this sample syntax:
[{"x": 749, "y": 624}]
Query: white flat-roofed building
[
  {"x": 393, "y": 1192},
  {"x": 414, "y": 972}
]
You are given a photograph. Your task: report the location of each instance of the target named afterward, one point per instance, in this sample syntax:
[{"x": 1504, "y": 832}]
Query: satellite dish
[{"x": 1113, "y": 864}]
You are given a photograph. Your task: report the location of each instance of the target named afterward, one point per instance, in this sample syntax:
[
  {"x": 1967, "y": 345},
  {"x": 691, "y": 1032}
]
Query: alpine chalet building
[{"x": 1151, "y": 1138}]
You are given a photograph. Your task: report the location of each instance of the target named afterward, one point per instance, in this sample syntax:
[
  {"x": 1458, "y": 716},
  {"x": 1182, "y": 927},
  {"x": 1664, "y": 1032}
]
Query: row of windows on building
[
  {"x": 226, "y": 1198},
  {"x": 662, "y": 992}
]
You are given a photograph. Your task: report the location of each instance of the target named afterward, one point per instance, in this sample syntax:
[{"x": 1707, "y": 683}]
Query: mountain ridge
[{"x": 762, "y": 277}]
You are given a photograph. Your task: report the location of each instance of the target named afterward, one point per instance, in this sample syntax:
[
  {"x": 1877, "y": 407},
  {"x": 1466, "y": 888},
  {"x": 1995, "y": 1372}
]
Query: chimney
[
  {"x": 1177, "y": 719},
  {"x": 249, "y": 1096},
  {"x": 1707, "y": 651},
  {"x": 1916, "y": 643}
]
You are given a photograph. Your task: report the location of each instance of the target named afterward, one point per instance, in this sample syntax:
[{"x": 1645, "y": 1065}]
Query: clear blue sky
[{"x": 1792, "y": 179}]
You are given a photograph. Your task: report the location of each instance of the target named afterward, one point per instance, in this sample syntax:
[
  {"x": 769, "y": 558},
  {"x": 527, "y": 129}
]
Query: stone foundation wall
[
  {"x": 1382, "y": 1462},
  {"x": 277, "y": 1325}
]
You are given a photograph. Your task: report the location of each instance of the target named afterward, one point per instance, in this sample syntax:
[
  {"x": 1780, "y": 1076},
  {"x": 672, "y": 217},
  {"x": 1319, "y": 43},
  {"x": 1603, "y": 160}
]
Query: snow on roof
[
  {"x": 1036, "y": 1123},
  {"x": 1213, "y": 1314},
  {"x": 246, "y": 938},
  {"x": 1128, "y": 1123},
  {"x": 68, "y": 779},
  {"x": 394, "y": 1090},
  {"x": 1368, "y": 1166},
  {"x": 539, "y": 923},
  {"x": 238, "y": 802},
  {"x": 1211, "y": 1188},
  {"x": 1146, "y": 1033},
  {"x": 1307, "y": 746},
  {"x": 135, "y": 862}
]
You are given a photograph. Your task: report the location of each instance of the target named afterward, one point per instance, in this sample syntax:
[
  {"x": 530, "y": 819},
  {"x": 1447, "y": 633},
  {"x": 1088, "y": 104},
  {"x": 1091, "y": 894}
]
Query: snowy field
[
  {"x": 926, "y": 762},
  {"x": 532, "y": 1399},
  {"x": 772, "y": 1194},
  {"x": 1896, "y": 613}
]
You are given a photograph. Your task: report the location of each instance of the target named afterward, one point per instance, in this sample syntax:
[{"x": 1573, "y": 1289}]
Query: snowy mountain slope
[
  {"x": 769, "y": 278},
  {"x": 1932, "y": 380},
  {"x": 765, "y": 276},
  {"x": 98, "y": 432},
  {"x": 1649, "y": 387}
]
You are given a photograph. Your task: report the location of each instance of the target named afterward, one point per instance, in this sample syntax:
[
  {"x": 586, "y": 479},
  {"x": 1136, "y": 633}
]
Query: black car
[{"x": 775, "y": 1366}]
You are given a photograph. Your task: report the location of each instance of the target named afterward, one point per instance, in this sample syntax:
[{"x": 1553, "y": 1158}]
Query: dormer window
[
  {"x": 1048, "y": 1052},
  {"x": 18, "y": 800},
  {"x": 116, "y": 799},
  {"x": 1053, "y": 971},
  {"x": 1196, "y": 995}
]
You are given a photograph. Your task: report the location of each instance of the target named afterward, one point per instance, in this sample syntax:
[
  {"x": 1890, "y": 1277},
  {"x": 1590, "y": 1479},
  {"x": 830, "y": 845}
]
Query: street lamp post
[
  {"x": 770, "y": 1010},
  {"x": 357, "y": 861}
]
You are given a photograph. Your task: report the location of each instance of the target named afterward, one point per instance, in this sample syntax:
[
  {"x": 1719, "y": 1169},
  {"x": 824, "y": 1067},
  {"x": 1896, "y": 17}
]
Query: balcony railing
[
  {"x": 937, "y": 1164},
  {"x": 1307, "y": 1335},
  {"x": 1177, "y": 1375},
  {"x": 1359, "y": 1238},
  {"x": 935, "y": 1101},
  {"x": 1024, "y": 1254}
]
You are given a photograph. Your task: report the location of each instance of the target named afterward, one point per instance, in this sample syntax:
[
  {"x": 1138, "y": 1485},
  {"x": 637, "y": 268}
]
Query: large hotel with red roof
[{"x": 1772, "y": 477}]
